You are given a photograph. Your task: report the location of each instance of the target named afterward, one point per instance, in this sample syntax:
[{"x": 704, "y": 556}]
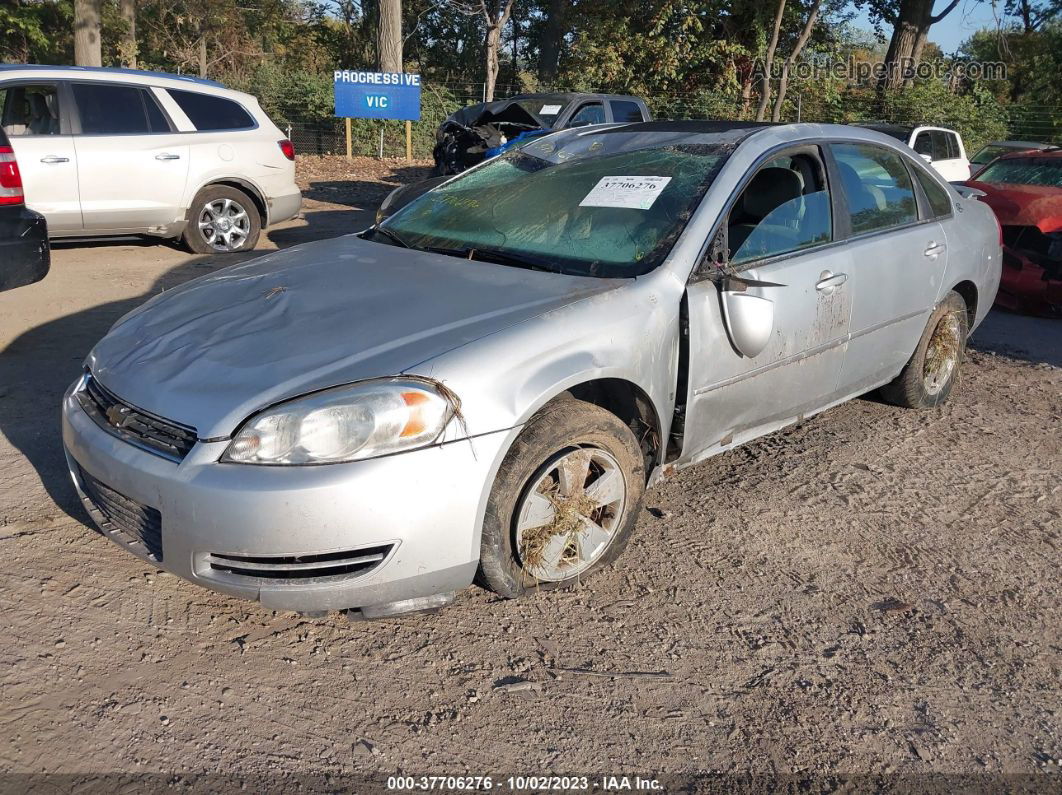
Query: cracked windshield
[{"x": 616, "y": 215}]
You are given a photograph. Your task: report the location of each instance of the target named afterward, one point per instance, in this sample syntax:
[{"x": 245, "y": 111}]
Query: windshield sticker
[
  {"x": 636, "y": 193},
  {"x": 550, "y": 110}
]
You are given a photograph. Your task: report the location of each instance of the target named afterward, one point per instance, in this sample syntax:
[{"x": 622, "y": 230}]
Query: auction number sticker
[{"x": 636, "y": 193}]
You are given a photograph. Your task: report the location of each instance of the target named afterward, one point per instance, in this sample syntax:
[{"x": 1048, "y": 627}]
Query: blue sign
[{"x": 377, "y": 95}]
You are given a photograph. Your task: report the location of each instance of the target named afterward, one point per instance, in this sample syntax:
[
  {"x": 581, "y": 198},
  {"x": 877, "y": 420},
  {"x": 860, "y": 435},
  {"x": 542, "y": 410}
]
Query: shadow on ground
[{"x": 1033, "y": 339}]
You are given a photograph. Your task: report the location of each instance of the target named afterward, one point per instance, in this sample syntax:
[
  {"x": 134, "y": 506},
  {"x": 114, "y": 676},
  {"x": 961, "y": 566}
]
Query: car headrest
[
  {"x": 38, "y": 106},
  {"x": 769, "y": 189}
]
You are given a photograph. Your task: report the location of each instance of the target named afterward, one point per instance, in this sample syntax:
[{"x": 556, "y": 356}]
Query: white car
[
  {"x": 122, "y": 152},
  {"x": 940, "y": 147}
]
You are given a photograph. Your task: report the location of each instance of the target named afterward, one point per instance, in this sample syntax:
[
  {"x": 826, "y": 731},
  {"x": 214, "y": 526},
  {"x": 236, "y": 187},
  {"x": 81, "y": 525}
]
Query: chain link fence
[{"x": 978, "y": 122}]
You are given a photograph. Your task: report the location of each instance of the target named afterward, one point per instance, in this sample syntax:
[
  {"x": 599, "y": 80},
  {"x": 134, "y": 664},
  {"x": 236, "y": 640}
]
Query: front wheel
[
  {"x": 933, "y": 370},
  {"x": 222, "y": 220},
  {"x": 564, "y": 502}
]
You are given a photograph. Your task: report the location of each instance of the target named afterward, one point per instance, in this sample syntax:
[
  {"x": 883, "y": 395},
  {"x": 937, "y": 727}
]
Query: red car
[{"x": 1025, "y": 192}]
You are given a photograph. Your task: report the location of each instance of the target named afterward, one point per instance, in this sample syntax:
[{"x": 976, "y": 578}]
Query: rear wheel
[
  {"x": 933, "y": 370},
  {"x": 564, "y": 502},
  {"x": 222, "y": 220}
]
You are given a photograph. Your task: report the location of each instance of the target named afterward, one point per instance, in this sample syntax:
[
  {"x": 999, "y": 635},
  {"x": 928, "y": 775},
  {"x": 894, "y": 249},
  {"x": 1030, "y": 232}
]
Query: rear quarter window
[
  {"x": 939, "y": 202},
  {"x": 209, "y": 113},
  {"x": 625, "y": 111}
]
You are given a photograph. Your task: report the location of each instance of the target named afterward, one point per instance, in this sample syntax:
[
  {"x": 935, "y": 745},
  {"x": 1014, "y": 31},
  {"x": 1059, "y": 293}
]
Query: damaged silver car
[{"x": 482, "y": 386}]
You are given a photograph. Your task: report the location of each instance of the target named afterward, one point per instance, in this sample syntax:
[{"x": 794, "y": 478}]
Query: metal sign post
[{"x": 378, "y": 95}]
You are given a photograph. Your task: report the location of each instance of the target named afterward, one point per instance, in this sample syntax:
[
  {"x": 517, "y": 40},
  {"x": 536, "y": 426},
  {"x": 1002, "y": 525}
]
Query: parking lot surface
[{"x": 875, "y": 590}]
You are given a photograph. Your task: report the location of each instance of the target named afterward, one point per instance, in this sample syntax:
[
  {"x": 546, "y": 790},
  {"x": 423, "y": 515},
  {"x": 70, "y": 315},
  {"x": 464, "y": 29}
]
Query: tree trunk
[
  {"x": 389, "y": 36},
  {"x": 783, "y": 82},
  {"x": 768, "y": 63},
  {"x": 127, "y": 8},
  {"x": 909, "y": 34},
  {"x": 87, "y": 50},
  {"x": 495, "y": 14},
  {"x": 202, "y": 53},
  {"x": 552, "y": 40}
]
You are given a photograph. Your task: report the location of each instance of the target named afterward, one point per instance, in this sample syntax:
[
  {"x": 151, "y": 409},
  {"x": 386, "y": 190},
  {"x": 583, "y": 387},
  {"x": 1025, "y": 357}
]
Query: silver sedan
[{"x": 482, "y": 386}]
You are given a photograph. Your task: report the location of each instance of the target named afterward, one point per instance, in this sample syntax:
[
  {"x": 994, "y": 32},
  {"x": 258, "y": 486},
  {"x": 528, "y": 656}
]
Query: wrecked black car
[{"x": 481, "y": 131}]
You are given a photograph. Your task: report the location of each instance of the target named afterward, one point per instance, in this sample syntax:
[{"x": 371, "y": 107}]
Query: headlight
[{"x": 344, "y": 424}]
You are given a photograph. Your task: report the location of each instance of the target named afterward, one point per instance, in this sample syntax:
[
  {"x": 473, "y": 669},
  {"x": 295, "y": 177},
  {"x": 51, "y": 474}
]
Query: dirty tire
[
  {"x": 561, "y": 428},
  {"x": 909, "y": 389},
  {"x": 195, "y": 238}
]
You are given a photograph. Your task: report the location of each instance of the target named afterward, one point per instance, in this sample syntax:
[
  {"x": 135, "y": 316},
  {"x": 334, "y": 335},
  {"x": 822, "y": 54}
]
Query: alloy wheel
[
  {"x": 224, "y": 224},
  {"x": 569, "y": 514}
]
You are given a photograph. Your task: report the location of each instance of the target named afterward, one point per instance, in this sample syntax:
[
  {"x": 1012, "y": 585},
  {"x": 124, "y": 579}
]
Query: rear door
[
  {"x": 36, "y": 117},
  {"x": 899, "y": 254},
  {"x": 132, "y": 164}
]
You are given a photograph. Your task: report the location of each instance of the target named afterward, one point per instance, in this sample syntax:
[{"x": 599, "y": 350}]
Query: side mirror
[
  {"x": 749, "y": 318},
  {"x": 927, "y": 158}
]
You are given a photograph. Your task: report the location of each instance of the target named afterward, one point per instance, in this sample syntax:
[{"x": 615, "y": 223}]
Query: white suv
[
  {"x": 940, "y": 147},
  {"x": 120, "y": 151}
]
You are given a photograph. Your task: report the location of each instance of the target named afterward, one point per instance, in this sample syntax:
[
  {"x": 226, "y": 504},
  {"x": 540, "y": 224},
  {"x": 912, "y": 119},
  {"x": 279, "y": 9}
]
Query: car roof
[
  {"x": 105, "y": 71},
  {"x": 1054, "y": 151},
  {"x": 569, "y": 96},
  {"x": 1026, "y": 144},
  {"x": 711, "y": 132},
  {"x": 902, "y": 131}
]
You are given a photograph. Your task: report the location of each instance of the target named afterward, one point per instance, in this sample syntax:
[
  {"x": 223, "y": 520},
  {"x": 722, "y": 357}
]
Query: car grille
[
  {"x": 138, "y": 526},
  {"x": 288, "y": 568},
  {"x": 134, "y": 425}
]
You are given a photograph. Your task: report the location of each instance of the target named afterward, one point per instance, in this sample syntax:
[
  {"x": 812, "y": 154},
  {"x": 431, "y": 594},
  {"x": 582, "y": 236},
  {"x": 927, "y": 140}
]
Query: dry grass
[{"x": 568, "y": 513}]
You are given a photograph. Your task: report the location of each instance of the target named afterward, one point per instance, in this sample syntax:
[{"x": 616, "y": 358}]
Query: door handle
[
  {"x": 829, "y": 281},
  {"x": 167, "y": 156},
  {"x": 934, "y": 249},
  {"x": 55, "y": 159}
]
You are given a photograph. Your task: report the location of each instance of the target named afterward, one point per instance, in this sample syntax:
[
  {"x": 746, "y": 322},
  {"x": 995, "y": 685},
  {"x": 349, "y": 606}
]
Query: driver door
[{"x": 792, "y": 289}]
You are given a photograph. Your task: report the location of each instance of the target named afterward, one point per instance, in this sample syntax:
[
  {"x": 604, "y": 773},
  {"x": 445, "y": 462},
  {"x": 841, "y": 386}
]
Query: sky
[{"x": 969, "y": 16}]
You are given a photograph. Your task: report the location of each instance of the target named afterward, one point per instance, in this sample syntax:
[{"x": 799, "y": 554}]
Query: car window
[
  {"x": 107, "y": 109},
  {"x": 1024, "y": 171},
  {"x": 209, "y": 113},
  {"x": 29, "y": 110},
  {"x": 939, "y": 203},
  {"x": 611, "y": 215},
  {"x": 590, "y": 113},
  {"x": 924, "y": 144},
  {"x": 989, "y": 153},
  {"x": 941, "y": 145},
  {"x": 625, "y": 111},
  {"x": 784, "y": 208},
  {"x": 954, "y": 150},
  {"x": 877, "y": 186}
]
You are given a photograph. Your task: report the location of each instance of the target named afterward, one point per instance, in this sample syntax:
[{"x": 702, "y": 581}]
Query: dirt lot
[{"x": 875, "y": 591}]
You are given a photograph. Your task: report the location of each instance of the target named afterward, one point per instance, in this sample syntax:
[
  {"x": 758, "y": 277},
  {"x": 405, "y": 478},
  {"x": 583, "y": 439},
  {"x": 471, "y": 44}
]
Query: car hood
[
  {"x": 1024, "y": 205},
  {"x": 215, "y": 350}
]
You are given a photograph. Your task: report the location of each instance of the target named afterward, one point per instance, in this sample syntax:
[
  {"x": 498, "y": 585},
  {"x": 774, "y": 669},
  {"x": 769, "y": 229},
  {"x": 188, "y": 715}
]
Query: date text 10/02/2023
[{"x": 471, "y": 783}]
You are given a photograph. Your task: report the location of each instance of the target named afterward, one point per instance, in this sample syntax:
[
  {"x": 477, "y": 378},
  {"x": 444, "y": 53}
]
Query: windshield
[
  {"x": 1024, "y": 171},
  {"x": 547, "y": 108},
  {"x": 989, "y": 153},
  {"x": 614, "y": 215}
]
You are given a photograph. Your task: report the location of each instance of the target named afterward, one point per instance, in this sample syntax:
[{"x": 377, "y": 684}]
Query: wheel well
[
  {"x": 628, "y": 402},
  {"x": 968, "y": 291},
  {"x": 250, "y": 190}
]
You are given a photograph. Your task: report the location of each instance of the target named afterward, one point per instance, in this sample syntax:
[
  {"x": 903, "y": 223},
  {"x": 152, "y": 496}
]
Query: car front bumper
[{"x": 420, "y": 512}]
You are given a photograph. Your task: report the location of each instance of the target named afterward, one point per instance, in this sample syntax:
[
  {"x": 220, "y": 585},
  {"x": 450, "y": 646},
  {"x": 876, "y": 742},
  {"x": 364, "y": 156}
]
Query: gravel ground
[{"x": 873, "y": 592}]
